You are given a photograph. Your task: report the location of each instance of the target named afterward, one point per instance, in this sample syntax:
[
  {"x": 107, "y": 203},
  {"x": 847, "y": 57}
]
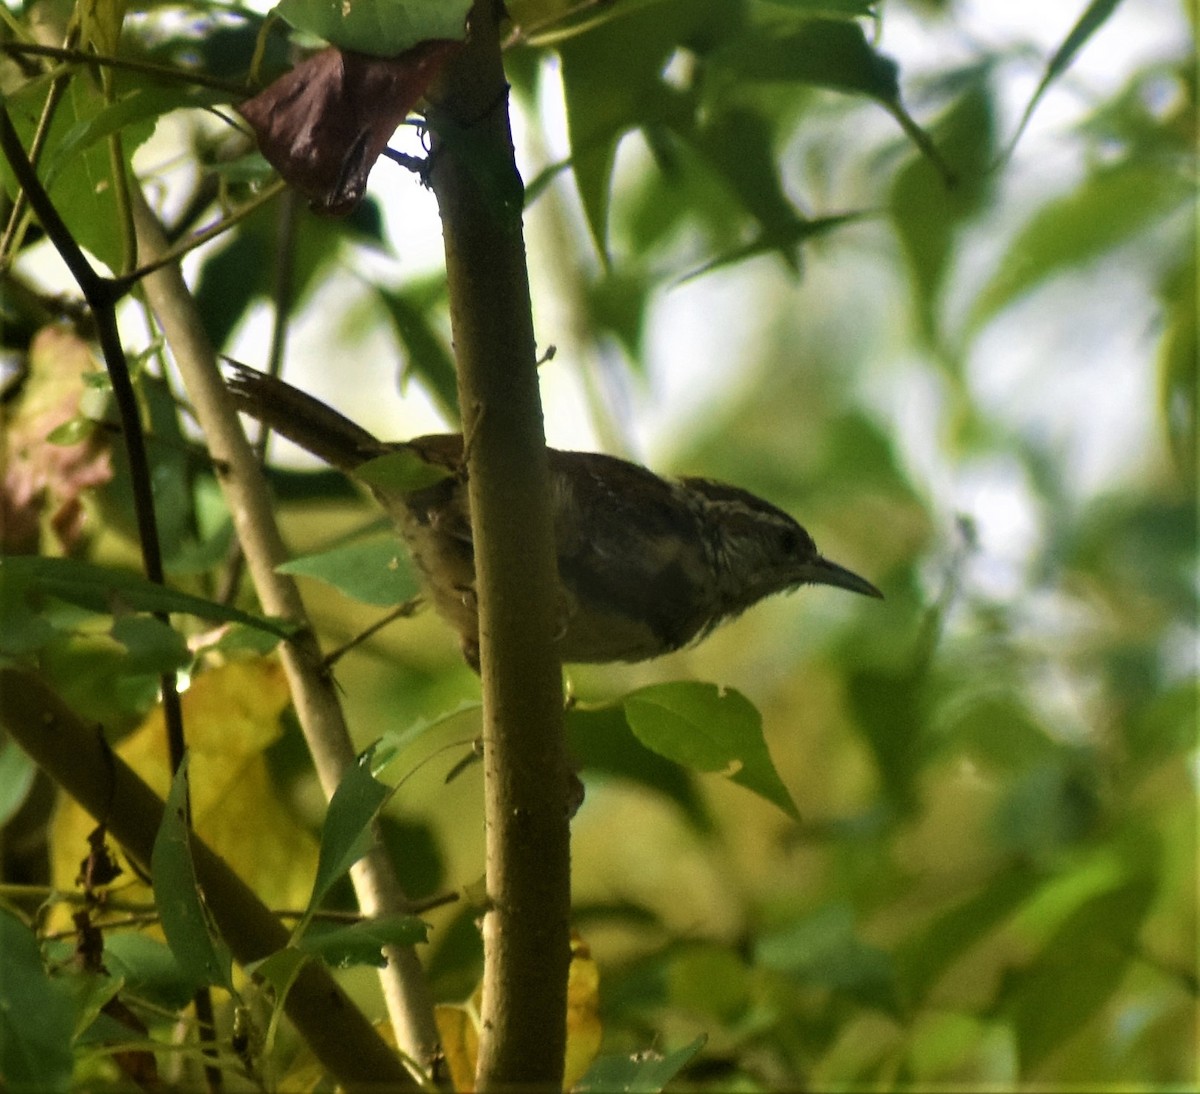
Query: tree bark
[
  {"x": 526, "y": 939},
  {"x": 75, "y": 755}
]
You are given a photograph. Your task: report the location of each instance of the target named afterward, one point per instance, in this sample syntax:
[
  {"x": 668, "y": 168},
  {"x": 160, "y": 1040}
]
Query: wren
[{"x": 647, "y": 564}]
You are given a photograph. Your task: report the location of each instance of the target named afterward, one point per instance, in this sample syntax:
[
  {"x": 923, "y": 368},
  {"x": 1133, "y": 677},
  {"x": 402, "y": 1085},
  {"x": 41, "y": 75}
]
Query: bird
[{"x": 647, "y": 564}]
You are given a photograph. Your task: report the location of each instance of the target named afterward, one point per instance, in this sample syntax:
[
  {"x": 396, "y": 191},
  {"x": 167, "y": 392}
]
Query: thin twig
[
  {"x": 124, "y": 64},
  {"x": 403, "y": 611}
]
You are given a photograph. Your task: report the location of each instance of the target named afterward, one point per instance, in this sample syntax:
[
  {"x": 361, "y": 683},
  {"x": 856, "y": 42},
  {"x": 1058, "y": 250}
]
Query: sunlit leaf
[
  {"x": 459, "y": 1036},
  {"x": 1079, "y": 968},
  {"x": 1111, "y": 207},
  {"x": 382, "y": 28},
  {"x": 375, "y": 571},
  {"x": 82, "y": 189},
  {"x": 401, "y": 471},
  {"x": 584, "y": 1029},
  {"x": 1094, "y": 16},
  {"x": 17, "y": 772},
  {"x": 710, "y": 730}
]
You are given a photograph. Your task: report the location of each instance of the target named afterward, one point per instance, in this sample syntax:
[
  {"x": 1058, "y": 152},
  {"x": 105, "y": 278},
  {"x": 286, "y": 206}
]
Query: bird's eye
[{"x": 788, "y": 541}]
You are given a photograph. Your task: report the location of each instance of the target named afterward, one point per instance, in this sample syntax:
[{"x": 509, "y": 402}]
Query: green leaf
[
  {"x": 346, "y": 834},
  {"x": 1179, "y": 363},
  {"x": 148, "y": 968},
  {"x": 401, "y": 471},
  {"x": 829, "y": 53},
  {"x": 107, "y": 591},
  {"x": 823, "y": 948},
  {"x": 1094, "y": 16},
  {"x": 612, "y": 83},
  {"x": 280, "y": 970},
  {"x": 37, "y": 1017},
  {"x": 16, "y": 777},
  {"x": 779, "y": 239},
  {"x": 153, "y": 646},
  {"x": 72, "y": 431},
  {"x": 1109, "y": 208},
  {"x": 392, "y": 743},
  {"x": 601, "y": 741},
  {"x": 81, "y": 188},
  {"x": 383, "y": 28},
  {"x": 923, "y": 957},
  {"x": 362, "y": 943},
  {"x": 375, "y": 571},
  {"x": 426, "y": 355},
  {"x": 927, "y": 214},
  {"x": 646, "y": 1073},
  {"x": 142, "y": 104},
  {"x": 202, "y": 954},
  {"x": 707, "y": 729},
  {"x": 1077, "y": 970}
]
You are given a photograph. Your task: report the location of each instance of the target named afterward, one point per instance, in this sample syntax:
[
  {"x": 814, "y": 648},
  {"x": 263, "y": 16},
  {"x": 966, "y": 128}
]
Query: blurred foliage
[{"x": 992, "y": 881}]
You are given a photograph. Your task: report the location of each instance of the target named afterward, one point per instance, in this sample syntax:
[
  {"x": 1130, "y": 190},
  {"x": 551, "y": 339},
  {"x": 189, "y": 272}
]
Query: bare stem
[
  {"x": 318, "y": 707},
  {"x": 525, "y": 930}
]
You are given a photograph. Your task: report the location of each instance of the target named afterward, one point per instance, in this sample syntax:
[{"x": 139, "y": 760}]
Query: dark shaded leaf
[
  {"x": 346, "y": 834},
  {"x": 646, "y": 1073},
  {"x": 104, "y": 590},
  {"x": 829, "y": 53},
  {"x": 202, "y": 954},
  {"x": 323, "y": 125},
  {"x": 427, "y": 357},
  {"x": 362, "y": 943},
  {"x": 779, "y": 239},
  {"x": 37, "y": 1016}
]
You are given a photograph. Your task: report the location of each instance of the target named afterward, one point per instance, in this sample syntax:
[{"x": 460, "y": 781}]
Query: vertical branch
[
  {"x": 314, "y": 695},
  {"x": 480, "y": 199}
]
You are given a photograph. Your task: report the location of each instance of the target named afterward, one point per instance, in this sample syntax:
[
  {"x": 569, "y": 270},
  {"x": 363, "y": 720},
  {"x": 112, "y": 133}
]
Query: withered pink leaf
[
  {"x": 42, "y": 479},
  {"x": 323, "y": 125}
]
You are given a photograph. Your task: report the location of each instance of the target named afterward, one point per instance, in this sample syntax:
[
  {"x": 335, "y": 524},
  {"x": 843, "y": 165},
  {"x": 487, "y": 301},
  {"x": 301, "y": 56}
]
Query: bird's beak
[{"x": 824, "y": 572}]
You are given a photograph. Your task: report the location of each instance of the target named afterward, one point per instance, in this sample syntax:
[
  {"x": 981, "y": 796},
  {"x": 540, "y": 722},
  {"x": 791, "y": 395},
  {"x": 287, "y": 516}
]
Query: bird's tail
[{"x": 302, "y": 419}]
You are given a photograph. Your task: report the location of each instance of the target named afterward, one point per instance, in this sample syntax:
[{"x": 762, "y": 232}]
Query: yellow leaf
[
  {"x": 459, "y": 1033},
  {"x": 458, "y": 1024},
  {"x": 230, "y": 716},
  {"x": 583, "y": 1012}
]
